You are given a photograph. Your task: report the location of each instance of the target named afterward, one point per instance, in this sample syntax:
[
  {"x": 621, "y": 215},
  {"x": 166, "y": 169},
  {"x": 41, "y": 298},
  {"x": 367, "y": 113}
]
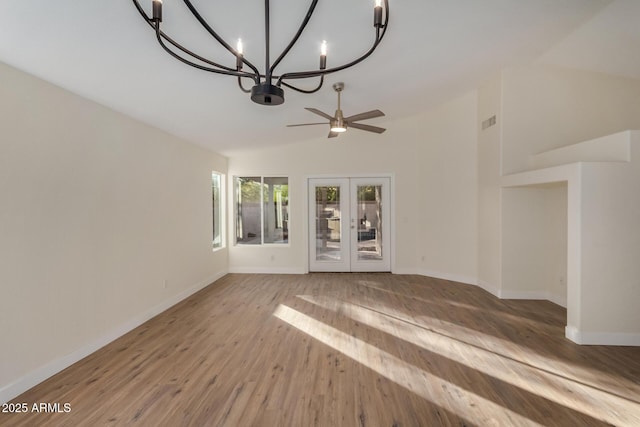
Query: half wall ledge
[{"x": 602, "y": 181}]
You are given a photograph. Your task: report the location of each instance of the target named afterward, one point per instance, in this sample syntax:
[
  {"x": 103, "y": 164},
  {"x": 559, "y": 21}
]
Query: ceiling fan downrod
[
  {"x": 338, "y": 124},
  {"x": 264, "y": 90}
]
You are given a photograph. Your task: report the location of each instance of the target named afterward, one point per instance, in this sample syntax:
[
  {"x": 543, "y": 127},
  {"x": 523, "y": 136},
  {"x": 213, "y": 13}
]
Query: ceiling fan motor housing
[{"x": 338, "y": 124}]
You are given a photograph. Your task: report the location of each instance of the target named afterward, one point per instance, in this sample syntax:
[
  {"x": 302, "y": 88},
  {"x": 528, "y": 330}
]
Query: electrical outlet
[{"x": 165, "y": 284}]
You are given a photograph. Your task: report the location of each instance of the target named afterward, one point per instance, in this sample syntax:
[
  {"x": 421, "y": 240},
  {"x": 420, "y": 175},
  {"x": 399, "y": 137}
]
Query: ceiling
[{"x": 433, "y": 50}]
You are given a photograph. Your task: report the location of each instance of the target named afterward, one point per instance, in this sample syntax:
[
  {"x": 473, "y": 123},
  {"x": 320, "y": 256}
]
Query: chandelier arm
[
  {"x": 306, "y": 90},
  {"x": 297, "y": 36},
  {"x": 193, "y": 54},
  {"x": 198, "y": 66},
  {"x": 308, "y": 74},
  {"x": 142, "y": 12},
  {"x": 176, "y": 44},
  {"x": 215, "y": 35},
  {"x": 242, "y": 87}
]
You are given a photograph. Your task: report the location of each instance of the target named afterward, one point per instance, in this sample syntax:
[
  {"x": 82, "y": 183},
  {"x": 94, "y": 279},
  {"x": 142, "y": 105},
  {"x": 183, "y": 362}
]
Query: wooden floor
[{"x": 336, "y": 350}]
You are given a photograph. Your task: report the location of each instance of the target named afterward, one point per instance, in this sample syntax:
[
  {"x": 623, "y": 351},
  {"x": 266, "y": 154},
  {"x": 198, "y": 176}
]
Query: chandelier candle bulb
[
  {"x": 377, "y": 14},
  {"x": 239, "y": 56},
  {"x": 323, "y": 55},
  {"x": 157, "y": 10}
]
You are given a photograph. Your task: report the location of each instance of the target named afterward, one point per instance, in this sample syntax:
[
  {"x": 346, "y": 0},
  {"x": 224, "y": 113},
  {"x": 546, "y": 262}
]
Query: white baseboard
[
  {"x": 489, "y": 288},
  {"x": 437, "y": 275},
  {"x": 534, "y": 295},
  {"x": 506, "y": 294},
  {"x": 557, "y": 299},
  {"x": 33, "y": 378},
  {"x": 450, "y": 277},
  {"x": 407, "y": 271},
  {"x": 602, "y": 338},
  {"x": 267, "y": 270}
]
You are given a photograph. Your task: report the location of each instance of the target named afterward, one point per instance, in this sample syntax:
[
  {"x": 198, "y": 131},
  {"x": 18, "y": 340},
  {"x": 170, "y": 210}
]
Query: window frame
[
  {"x": 220, "y": 211},
  {"x": 236, "y": 189}
]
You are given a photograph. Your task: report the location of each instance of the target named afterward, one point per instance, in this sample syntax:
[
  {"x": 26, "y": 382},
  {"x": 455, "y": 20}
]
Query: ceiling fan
[{"x": 339, "y": 123}]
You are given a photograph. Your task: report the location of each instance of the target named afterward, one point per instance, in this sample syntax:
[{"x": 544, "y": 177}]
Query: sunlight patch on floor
[
  {"x": 430, "y": 387},
  {"x": 513, "y": 317},
  {"x": 583, "y": 398},
  {"x": 508, "y": 348}
]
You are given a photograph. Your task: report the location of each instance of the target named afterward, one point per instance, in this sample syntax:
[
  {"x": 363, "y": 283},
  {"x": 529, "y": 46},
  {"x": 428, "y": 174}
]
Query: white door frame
[
  {"x": 391, "y": 240},
  {"x": 344, "y": 253}
]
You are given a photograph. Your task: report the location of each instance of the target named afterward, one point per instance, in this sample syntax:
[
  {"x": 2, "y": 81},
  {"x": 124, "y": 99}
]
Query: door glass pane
[
  {"x": 328, "y": 243},
  {"x": 369, "y": 218}
]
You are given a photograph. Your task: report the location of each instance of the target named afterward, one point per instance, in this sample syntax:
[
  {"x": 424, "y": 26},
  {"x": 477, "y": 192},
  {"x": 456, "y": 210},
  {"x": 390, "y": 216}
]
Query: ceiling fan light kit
[
  {"x": 339, "y": 124},
  {"x": 267, "y": 86}
]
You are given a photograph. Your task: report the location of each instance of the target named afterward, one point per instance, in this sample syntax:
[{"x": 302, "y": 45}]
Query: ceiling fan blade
[
  {"x": 307, "y": 124},
  {"x": 333, "y": 134},
  {"x": 364, "y": 116},
  {"x": 368, "y": 128},
  {"x": 320, "y": 113}
]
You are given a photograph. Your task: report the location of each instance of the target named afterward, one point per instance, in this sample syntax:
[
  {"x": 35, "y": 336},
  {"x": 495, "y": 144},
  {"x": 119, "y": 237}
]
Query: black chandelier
[{"x": 264, "y": 91}]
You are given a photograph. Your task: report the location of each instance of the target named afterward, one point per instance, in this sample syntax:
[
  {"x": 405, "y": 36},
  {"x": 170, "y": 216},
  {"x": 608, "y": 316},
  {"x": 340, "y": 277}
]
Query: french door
[{"x": 349, "y": 224}]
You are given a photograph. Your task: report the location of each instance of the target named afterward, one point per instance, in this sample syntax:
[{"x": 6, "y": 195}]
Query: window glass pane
[
  {"x": 276, "y": 210},
  {"x": 216, "y": 193},
  {"x": 248, "y": 223}
]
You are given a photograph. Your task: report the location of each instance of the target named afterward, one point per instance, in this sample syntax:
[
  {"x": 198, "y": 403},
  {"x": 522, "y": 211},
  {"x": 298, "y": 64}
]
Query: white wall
[
  {"x": 557, "y": 208},
  {"x": 488, "y": 181},
  {"x": 548, "y": 107},
  {"x": 541, "y": 108},
  {"x": 538, "y": 108},
  {"x": 611, "y": 250},
  {"x": 447, "y": 165},
  {"x": 602, "y": 244},
  {"x": 104, "y": 222},
  {"x": 433, "y": 162},
  {"x": 534, "y": 262}
]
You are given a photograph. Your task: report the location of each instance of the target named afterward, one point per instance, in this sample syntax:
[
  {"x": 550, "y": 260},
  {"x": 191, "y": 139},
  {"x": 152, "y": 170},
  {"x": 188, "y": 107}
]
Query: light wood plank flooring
[{"x": 336, "y": 350}]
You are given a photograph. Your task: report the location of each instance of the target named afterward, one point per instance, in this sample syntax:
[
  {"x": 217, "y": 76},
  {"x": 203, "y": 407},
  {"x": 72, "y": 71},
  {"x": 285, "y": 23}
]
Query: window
[
  {"x": 217, "y": 209},
  {"x": 262, "y": 210}
]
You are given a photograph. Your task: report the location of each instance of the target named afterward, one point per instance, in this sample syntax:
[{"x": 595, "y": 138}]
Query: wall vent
[{"x": 489, "y": 122}]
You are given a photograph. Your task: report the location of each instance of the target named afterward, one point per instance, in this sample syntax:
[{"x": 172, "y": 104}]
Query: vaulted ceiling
[{"x": 433, "y": 50}]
